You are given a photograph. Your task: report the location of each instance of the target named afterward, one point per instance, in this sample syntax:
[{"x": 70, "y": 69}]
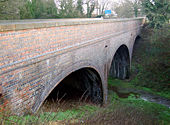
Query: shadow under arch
[
  {"x": 93, "y": 89},
  {"x": 120, "y": 66}
]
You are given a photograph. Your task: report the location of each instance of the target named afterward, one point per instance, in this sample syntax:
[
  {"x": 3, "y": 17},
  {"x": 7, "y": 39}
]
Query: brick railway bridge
[{"x": 38, "y": 55}]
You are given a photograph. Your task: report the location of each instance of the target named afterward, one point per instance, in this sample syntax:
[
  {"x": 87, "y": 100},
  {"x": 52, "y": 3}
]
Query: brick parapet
[{"x": 14, "y": 25}]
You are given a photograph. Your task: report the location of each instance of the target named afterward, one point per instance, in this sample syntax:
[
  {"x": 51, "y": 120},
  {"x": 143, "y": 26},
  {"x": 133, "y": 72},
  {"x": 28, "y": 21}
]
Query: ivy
[{"x": 157, "y": 12}]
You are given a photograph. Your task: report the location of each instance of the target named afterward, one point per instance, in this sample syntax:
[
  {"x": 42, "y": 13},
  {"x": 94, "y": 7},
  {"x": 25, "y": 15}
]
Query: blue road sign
[{"x": 108, "y": 11}]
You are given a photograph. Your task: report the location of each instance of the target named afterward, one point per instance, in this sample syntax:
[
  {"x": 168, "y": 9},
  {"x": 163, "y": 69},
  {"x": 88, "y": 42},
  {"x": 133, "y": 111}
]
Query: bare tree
[
  {"x": 127, "y": 8},
  {"x": 102, "y": 6},
  {"x": 90, "y": 4}
]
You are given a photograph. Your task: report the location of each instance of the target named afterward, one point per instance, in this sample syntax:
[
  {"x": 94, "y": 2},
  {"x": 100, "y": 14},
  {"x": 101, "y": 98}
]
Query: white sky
[{"x": 110, "y": 5}]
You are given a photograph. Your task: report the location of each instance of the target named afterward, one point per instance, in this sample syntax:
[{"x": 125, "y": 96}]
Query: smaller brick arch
[
  {"x": 137, "y": 38},
  {"x": 120, "y": 66},
  {"x": 93, "y": 88}
]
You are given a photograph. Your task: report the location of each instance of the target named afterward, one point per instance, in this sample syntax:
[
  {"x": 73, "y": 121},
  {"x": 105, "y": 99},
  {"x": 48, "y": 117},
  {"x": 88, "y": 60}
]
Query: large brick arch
[{"x": 61, "y": 76}]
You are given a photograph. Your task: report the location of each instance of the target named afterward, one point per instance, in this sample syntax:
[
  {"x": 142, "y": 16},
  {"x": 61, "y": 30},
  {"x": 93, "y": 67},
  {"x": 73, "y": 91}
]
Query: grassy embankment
[{"x": 150, "y": 72}]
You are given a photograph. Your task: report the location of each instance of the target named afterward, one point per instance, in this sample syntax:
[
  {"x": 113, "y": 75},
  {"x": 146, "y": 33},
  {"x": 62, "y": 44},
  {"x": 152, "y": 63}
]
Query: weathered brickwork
[{"x": 34, "y": 60}]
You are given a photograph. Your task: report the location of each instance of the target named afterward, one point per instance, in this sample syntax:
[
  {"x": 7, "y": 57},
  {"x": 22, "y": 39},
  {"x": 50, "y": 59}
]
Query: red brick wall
[{"x": 30, "y": 59}]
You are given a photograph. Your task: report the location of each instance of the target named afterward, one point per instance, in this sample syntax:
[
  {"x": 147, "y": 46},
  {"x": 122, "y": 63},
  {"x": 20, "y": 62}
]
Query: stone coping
[{"x": 14, "y": 25}]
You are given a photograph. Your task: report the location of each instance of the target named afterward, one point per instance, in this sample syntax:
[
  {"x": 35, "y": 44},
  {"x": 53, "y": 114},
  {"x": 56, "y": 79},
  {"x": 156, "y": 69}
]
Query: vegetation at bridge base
[
  {"x": 124, "y": 111},
  {"x": 59, "y": 117},
  {"x": 132, "y": 110},
  {"x": 151, "y": 60}
]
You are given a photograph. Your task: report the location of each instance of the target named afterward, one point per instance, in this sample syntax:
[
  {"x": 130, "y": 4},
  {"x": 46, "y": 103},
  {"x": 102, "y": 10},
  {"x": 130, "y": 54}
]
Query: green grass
[
  {"x": 45, "y": 117},
  {"x": 161, "y": 112},
  {"x": 125, "y": 85},
  {"x": 158, "y": 111},
  {"x": 133, "y": 108},
  {"x": 119, "y": 83}
]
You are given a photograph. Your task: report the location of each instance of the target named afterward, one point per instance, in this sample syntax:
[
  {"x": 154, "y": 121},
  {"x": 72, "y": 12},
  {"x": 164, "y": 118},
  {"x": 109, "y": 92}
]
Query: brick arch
[
  {"x": 120, "y": 65},
  {"x": 138, "y": 37},
  {"x": 60, "y": 77}
]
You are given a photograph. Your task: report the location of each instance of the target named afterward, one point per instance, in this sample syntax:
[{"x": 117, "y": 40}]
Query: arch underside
[
  {"x": 84, "y": 82},
  {"x": 120, "y": 66}
]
